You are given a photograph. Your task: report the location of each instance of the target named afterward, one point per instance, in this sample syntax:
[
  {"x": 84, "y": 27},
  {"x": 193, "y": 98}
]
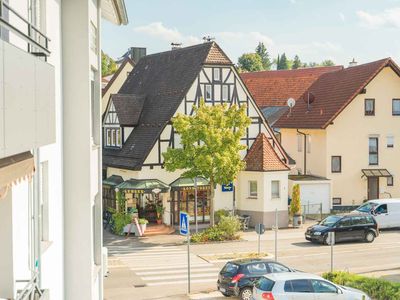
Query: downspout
[{"x": 305, "y": 150}]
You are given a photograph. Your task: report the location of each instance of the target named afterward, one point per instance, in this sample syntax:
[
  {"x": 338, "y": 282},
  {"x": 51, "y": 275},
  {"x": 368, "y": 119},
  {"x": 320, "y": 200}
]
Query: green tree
[
  {"x": 296, "y": 62},
  {"x": 261, "y": 50},
  {"x": 108, "y": 65},
  {"x": 210, "y": 140},
  {"x": 282, "y": 62},
  {"x": 250, "y": 62},
  {"x": 327, "y": 63}
]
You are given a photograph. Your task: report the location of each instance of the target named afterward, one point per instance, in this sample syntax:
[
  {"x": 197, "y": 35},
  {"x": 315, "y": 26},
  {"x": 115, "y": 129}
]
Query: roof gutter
[{"x": 120, "y": 10}]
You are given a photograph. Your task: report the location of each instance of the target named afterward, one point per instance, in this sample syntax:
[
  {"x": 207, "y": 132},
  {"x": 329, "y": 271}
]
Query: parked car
[
  {"x": 237, "y": 277},
  {"x": 349, "y": 227},
  {"x": 302, "y": 286},
  {"x": 385, "y": 211}
]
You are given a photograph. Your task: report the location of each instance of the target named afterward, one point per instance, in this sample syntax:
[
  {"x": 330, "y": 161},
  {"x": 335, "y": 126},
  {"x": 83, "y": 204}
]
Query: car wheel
[
  {"x": 369, "y": 237},
  {"x": 246, "y": 293}
]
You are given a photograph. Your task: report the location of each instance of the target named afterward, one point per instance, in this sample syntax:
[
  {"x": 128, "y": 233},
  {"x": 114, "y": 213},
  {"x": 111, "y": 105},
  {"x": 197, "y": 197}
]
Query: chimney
[
  {"x": 353, "y": 63},
  {"x": 175, "y": 46}
]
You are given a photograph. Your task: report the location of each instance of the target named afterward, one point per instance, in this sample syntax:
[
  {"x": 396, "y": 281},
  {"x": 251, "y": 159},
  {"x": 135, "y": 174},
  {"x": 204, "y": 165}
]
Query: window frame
[
  {"x": 226, "y": 88},
  {"x": 340, "y": 164},
  {"x": 337, "y": 198},
  {"x": 279, "y": 189},
  {"x": 373, "y": 107},
  {"x": 390, "y": 145},
  {"x": 205, "y": 92},
  {"x": 373, "y": 153},
  {"x": 393, "y": 112},
  {"x": 218, "y": 72},
  {"x": 390, "y": 181},
  {"x": 252, "y": 194}
]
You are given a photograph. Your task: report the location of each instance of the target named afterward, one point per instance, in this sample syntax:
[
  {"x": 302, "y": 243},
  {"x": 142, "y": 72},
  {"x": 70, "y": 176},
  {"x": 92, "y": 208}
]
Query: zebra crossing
[{"x": 164, "y": 265}]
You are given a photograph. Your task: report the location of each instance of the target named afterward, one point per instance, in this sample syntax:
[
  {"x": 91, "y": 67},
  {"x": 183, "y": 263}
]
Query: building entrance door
[{"x": 373, "y": 188}]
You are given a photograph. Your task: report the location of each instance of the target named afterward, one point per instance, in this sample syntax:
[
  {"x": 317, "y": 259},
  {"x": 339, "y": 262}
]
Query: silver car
[{"x": 302, "y": 286}]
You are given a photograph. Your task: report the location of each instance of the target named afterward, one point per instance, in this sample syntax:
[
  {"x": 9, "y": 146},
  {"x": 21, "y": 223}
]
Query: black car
[
  {"x": 348, "y": 227},
  {"x": 238, "y": 277}
]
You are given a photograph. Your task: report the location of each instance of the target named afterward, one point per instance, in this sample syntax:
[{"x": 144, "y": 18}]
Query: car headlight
[{"x": 317, "y": 233}]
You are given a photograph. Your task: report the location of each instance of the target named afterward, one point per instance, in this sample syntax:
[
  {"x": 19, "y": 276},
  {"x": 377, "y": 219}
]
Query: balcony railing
[
  {"x": 31, "y": 290},
  {"x": 37, "y": 42}
]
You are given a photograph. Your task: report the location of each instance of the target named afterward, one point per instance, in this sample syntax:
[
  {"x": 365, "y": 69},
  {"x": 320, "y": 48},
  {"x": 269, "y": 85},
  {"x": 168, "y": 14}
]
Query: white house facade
[{"x": 50, "y": 220}]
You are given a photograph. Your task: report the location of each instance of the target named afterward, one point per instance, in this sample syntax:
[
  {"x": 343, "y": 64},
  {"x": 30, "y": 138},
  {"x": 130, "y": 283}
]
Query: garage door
[{"x": 312, "y": 195}]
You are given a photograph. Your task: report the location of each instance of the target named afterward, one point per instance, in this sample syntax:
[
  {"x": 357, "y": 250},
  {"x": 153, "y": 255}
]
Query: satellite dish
[{"x": 291, "y": 102}]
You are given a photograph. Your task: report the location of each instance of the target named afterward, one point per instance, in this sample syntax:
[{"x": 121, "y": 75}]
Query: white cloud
[
  {"x": 293, "y": 1},
  {"x": 342, "y": 17},
  {"x": 158, "y": 30},
  {"x": 388, "y": 18}
]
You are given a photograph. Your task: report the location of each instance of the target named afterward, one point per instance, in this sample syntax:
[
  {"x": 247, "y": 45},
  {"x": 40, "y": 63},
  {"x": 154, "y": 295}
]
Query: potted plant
[
  {"x": 295, "y": 206},
  {"x": 160, "y": 211},
  {"x": 143, "y": 224}
]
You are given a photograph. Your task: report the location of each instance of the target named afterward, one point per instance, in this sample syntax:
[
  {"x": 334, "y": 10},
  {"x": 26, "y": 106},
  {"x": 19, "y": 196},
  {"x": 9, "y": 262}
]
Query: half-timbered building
[{"x": 137, "y": 129}]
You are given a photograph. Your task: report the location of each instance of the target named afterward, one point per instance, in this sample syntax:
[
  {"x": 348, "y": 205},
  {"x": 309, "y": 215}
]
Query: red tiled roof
[
  {"x": 332, "y": 92},
  {"x": 262, "y": 156},
  {"x": 273, "y": 88}
]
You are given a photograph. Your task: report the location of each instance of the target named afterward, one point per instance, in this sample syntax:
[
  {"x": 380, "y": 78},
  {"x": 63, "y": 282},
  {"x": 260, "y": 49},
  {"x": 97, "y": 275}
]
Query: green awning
[
  {"x": 376, "y": 173},
  {"x": 188, "y": 183},
  {"x": 142, "y": 186},
  {"x": 113, "y": 180}
]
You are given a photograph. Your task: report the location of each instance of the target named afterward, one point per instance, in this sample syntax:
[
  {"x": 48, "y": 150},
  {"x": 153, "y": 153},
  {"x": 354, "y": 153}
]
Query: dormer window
[{"x": 113, "y": 137}]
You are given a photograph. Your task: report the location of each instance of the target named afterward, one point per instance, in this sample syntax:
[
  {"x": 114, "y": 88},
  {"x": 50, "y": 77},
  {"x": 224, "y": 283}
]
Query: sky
[{"x": 315, "y": 30}]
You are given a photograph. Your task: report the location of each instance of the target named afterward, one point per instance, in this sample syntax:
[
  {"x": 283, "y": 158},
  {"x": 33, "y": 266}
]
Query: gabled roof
[
  {"x": 274, "y": 88},
  {"x": 332, "y": 92},
  {"x": 127, "y": 60},
  {"x": 262, "y": 157},
  {"x": 128, "y": 107},
  {"x": 164, "y": 79}
]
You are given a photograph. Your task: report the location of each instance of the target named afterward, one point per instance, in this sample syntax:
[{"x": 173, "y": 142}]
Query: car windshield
[
  {"x": 367, "y": 207},
  {"x": 330, "y": 221},
  {"x": 230, "y": 269}
]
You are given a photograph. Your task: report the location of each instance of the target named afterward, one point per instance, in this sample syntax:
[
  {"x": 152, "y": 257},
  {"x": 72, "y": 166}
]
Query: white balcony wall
[{"x": 27, "y": 101}]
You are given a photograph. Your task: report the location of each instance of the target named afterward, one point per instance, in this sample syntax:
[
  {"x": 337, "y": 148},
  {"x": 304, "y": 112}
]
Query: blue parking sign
[
  {"x": 183, "y": 223},
  {"x": 227, "y": 187}
]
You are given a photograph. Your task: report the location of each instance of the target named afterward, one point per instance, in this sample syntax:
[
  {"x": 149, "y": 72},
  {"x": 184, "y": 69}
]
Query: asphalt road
[{"x": 156, "y": 268}]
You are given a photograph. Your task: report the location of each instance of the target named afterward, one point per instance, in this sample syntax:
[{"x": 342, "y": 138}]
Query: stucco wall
[{"x": 349, "y": 134}]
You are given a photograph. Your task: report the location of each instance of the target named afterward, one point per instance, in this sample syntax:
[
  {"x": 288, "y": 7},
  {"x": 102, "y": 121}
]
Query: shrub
[
  {"x": 226, "y": 230},
  {"x": 220, "y": 213},
  {"x": 376, "y": 288},
  {"x": 143, "y": 221},
  {"x": 120, "y": 219},
  {"x": 295, "y": 204}
]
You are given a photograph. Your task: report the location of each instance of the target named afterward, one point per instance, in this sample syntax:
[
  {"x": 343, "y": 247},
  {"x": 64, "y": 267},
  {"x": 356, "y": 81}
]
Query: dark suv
[
  {"x": 238, "y": 277},
  {"x": 349, "y": 227}
]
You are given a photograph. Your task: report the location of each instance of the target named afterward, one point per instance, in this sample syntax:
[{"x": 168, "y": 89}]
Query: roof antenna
[
  {"x": 291, "y": 103},
  {"x": 353, "y": 63},
  {"x": 208, "y": 39},
  {"x": 175, "y": 46}
]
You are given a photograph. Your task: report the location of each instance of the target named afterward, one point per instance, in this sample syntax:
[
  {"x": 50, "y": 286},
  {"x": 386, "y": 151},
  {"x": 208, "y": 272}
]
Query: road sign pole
[
  {"x": 332, "y": 242},
  {"x": 276, "y": 234},
  {"x": 195, "y": 204},
  {"x": 259, "y": 243},
  {"x": 188, "y": 257}
]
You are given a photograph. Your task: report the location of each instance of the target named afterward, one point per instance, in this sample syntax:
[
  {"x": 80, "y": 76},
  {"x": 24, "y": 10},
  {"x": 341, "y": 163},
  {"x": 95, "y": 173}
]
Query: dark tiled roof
[
  {"x": 128, "y": 107},
  {"x": 262, "y": 157},
  {"x": 273, "y": 88},
  {"x": 332, "y": 92},
  {"x": 164, "y": 78}
]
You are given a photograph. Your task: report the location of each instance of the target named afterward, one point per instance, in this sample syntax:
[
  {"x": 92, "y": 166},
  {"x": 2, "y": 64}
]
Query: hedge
[
  {"x": 226, "y": 230},
  {"x": 376, "y": 288}
]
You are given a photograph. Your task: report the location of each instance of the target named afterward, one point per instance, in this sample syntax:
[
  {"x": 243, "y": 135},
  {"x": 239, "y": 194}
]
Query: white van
[{"x": 385, "y": 211}]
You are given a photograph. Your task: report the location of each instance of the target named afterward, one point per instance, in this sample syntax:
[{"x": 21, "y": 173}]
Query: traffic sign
[
  {"x": 183, "y": 223},
  {"x": 260, "y": 228},
  {"x": 227, "y": 187}
]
